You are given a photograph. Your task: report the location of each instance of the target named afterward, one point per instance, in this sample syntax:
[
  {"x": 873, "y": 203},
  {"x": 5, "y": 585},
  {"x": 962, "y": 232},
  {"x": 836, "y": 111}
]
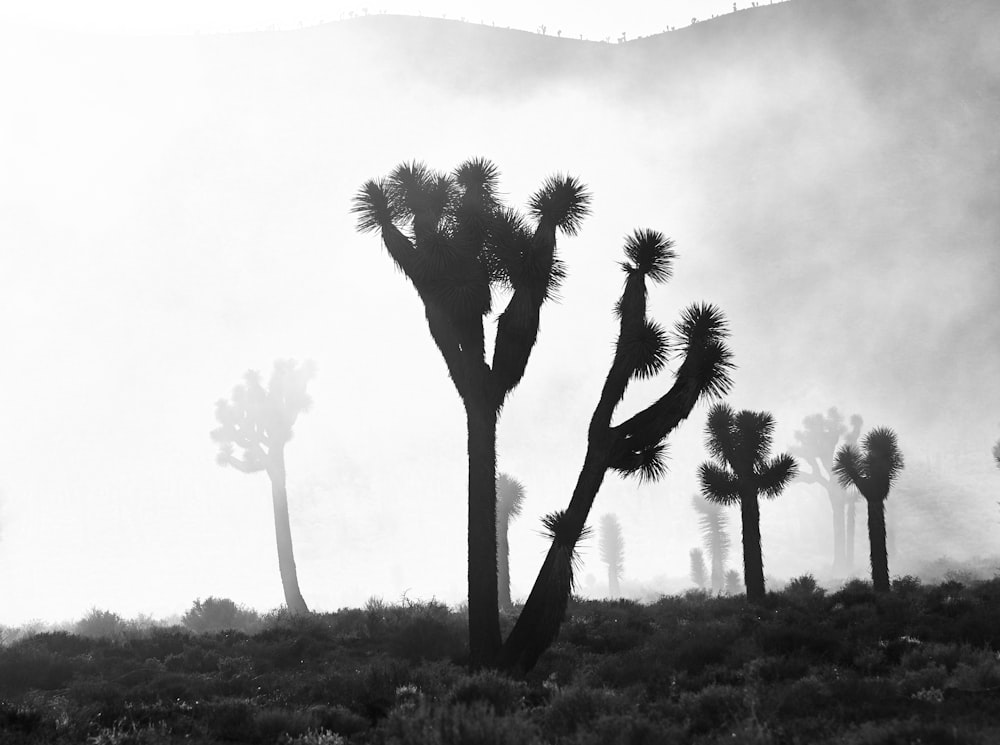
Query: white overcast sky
[{"x": 592, "y": 20}]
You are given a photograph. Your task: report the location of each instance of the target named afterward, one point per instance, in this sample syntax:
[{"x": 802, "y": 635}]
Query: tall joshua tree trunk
[
  {"x": 283, "y": 533},
  {"x": 753, "y": 561},
  {"x": 876, "y": 539},
  {"x": 482, "y": 575}
]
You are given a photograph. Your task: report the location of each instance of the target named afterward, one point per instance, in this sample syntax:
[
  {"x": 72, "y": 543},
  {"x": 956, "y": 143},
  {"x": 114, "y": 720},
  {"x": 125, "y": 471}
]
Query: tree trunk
[
  {"x": 718, "y": 570},
  {"x": 876, "y": 539},
  {"x": 614, "y": 591},
  {"x": 849, "y": 537},
  {"x": 503, "y": 568},
  {"x": 484, "y": 618},
  {"x": 753, "y": 562},
  {"x": 283, "y": 533},
  {"x": 838, "y": 506},
  {"x": 538, "y": 624}
]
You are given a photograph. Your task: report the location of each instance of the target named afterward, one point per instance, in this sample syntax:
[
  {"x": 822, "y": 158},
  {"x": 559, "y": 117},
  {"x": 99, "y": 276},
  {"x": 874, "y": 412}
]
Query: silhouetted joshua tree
[
  {"x": 612, "y": 546},
  {"x": 996, "y": 453},
  {"x": 510, "y": 498},
  {"x": 815, "y": 446},
  {"x": 872, "y": 470},
  {"x": 714, "y": 537},
  {"x": 455, "y": 241},
  {"x": 741, "y": 471},
  {"x": 699, "y": 572},
  {"x": 733, "y": 582},
  {"x": 259, "y": 422},
  {"x": 634, "y": 447}
]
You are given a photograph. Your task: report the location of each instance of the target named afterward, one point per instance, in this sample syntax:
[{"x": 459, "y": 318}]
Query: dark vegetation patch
[{"x": 918, "y": 665}]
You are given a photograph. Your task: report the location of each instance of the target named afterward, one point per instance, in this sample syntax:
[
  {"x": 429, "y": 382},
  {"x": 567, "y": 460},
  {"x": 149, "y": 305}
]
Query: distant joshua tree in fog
[
  {"x": 816, "y": 444},
  {"x": 699, "y": 572},
  {"x": 872, "y": 470},
  {"x": 734, "y": 583},
  {"x": 996, "y": 453},
  {"x": 741, "y": 471},
  {"x": 612, "y": 546},
  {"x": 259, "y": 422},
  {"x": 635, "y": 447},
  {"x": 714, "y": 537},
  {"x": 510, "y": 498},
  {"x": 456, "y": 242}
]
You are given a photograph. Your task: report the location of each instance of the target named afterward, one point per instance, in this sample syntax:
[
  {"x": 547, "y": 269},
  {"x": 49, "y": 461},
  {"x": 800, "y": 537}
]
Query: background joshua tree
[
  {"x": 741, "y": 471},
  {"x": 872, "y": 470},
  {"x": 714, "y": 537},
  {"x": 996, "y": 453},
  {"x": 510, "y": 498},
  {"x": 612, "y": 546},
  {"x": 636, "y": 446},
  {"x": 815, "y": 446},
  {"x": 259, "y": 422},
  {"x": 456, "y": 242},
  {"x": 733, "y": 582},
  {"x": 699, "y": 572}
]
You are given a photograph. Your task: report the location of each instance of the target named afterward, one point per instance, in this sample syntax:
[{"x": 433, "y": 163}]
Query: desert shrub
[
  {"x": 773, "y": 669},
  {"x": 219, "y": 614},
  {"x": 978, "y": 673},
  {"x": 456, "y": 725},
  {"x": 705, "y": 644},
  {"x": 272, "y": 723},
  {"x": 712, "y": 707},
  {"x": 577, "y": 707},
  {"x": 129, "y": 733},
  {"x": 101, "y": 624},
  {"x": 854, "y": 592},
  {"x": 20, "y": 719},
  {"x": 911, "y": 682},
  {"x": 338, "y": 719},
  {"x": 804, "y": 588},
  {"x": 426, "y": 637},
  {"x": 229, "y": 719},
  {"x": 497, "y": 691},
  {"x": 26, "y": 665},
  {"x": 908, "y": 732},
  {"x": 375, "y": 689},
  {"x": 313, "y": 737},
  {"x": 803, "y": 698},
  {"x": 629, "y": 729}
]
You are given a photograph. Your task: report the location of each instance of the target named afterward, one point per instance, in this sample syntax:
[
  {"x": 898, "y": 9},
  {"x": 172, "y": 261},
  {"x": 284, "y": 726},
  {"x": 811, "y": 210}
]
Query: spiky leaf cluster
[
  {"x": 257, "y": 419},
  {"x": 700, "y": 340},
  {"x": 873, "y": 468},
  {"x": 510, "y": 499},
  {"x": 740, "y": 445},
  {"x": 712, "y": 521}
]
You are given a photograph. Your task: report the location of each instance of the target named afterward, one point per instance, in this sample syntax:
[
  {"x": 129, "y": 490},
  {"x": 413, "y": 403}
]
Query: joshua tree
[
  {"x": 815, "y": 446},
  {"x": 872, "y": 470},
  {"x": 714, "y": 537},
  {"x": 612, "y": 547},
  {"x": 510, "y": 498},
  {"x": 996, "y": 453},
  {"x": 740, "y": 443},
  {"x": 733, "y": 582},
  {"x": 699, "y": 572},
  {"x": 456, "y": 242},
  {"x": 634, "y": 447},
  {"x": 259, "y": 422}
]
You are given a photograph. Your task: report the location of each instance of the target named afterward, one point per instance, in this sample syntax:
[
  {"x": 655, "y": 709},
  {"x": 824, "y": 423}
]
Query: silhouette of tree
[
  {"x": 612, "y": 546},
  {"x": 741, "y": 471},
  {"x": 510, "y": 498},
  {"x": 699, "y": 572},
  {"x": 636, "y": 446},
  {"x": 815, "y": 446},
  {"x": 996, "y": 453},
  {"x": 733, "y": 582},
  {"x": 460, "y": 242},
  {"x": 872, "y": 470},
  {"x": 259, "y": 422},
  {"x": 714, "y": 537}
]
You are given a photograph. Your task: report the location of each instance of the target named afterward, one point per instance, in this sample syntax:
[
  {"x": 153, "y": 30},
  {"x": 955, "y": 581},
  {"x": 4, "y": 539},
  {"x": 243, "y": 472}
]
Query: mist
[{"x": 176, "y": 210}]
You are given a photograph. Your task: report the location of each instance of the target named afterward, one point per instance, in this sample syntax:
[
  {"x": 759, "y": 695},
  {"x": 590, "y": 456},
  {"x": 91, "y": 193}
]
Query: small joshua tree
[
  {"x": 699, "y": 572},
  {"x": 872, "y": 470},
  {"x": 612, "y": 546},
  {"x": 740, "y": 472},
  {"x": 259, "y": 422},
  {"x": 636, "y": 446},
  {"x": 510, "y": 498},
  {"x": 714, "y": 537},
  {"x": 733, "y": 582}
]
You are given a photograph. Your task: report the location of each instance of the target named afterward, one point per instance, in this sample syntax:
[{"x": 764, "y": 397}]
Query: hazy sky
[
  {"x": 176, "y": 211},
  {"x": 592, "y": 20}
]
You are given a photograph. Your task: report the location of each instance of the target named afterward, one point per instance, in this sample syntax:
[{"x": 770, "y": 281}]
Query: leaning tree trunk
[
  {"x": 753, "y": 562},
  {"x": 503, "y": 567},
  {"x": 484, "y": 619},
  {"x": 838, "y": 506},
  {"x": 283, "y": 533},
  {"x": 876, "y": 539}
]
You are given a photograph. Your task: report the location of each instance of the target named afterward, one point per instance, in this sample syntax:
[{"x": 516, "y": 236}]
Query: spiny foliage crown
[
  {"x": 873, "y": 467},
  {"x": 510, "y": 498},
  {"x": 651, "y": 254},
  {"x": 562, "y": 201},
  {"x": 612, "y": 543},
  {"x": 700, "y": 339}
]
